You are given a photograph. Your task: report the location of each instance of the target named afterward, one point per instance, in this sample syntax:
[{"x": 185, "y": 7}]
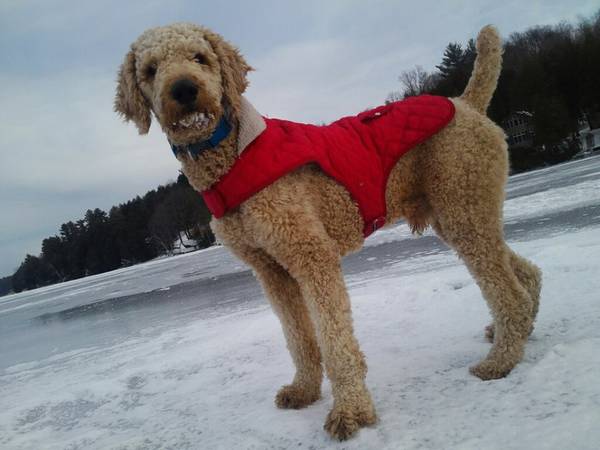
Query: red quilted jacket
[{"x": 358, "y": 151}]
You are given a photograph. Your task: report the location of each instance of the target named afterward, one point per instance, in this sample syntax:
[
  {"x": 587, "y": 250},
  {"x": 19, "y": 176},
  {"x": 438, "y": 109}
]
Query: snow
[
  {"x": 200, "y": 380},
  {"x": 211, "y": 383},
  {"x": 582, "y": 194},
  {"x": 145, "y": 277}
]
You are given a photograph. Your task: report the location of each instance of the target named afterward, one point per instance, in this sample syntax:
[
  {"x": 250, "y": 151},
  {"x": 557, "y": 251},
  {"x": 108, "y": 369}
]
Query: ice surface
[{"x": 118, "y": 361}]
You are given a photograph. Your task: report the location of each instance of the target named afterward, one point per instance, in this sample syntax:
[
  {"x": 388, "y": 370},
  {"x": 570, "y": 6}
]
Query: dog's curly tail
[{"x": 483, "y": 81}]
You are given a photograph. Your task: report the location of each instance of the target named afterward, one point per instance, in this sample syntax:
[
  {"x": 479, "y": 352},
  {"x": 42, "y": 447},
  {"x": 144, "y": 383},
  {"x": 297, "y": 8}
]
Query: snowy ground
[{"x": 185, "y": 353}]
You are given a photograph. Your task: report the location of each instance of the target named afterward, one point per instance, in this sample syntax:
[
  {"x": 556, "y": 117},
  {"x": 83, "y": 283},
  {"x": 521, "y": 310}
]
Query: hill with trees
[
  {"x": 549, "y": 71},
  {"x": 130, "y": 233}
]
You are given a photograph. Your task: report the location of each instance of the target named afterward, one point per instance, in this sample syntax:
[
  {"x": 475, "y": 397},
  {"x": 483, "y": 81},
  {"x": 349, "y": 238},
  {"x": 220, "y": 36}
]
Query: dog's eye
[
  {"x": 150, "y": 71},
  {"x": 200, "y": 59}
]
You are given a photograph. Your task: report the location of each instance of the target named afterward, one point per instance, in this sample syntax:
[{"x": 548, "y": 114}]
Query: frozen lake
[{"x": 171, "y": 353}]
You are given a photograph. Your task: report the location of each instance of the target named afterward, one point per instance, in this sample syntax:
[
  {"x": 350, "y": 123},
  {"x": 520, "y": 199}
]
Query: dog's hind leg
[
  {"x": 286, "y": 300},
  {"x": 464, "y": 175},
  {"x": 477, "y": 238},
  {"x": 530, "y": 277}
]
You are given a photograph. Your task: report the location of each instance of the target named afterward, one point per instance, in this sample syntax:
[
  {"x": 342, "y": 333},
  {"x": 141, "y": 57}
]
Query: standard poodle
[{"x": 293, "y": 227}]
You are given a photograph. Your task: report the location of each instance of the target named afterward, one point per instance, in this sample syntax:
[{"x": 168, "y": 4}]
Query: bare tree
[
  {"x": 416, "y": 81},
  {"x": 394, "y": 96}
]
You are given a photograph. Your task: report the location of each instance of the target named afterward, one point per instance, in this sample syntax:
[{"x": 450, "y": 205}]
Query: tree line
[
  {"x": 551, "y": 72},
  {"x": 130, "y": 233}
]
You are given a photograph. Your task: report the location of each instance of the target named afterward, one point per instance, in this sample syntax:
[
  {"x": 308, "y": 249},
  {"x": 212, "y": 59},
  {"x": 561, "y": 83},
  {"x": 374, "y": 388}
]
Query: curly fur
[{"x": 295, "y": 232}]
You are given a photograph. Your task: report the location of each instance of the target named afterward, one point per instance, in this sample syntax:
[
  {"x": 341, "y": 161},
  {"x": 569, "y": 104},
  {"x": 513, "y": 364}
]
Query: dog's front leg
[
  {"x": 329, "y": 304},
  {"x": 315, "y": 264},
  {"x": 284, "y": 295}
]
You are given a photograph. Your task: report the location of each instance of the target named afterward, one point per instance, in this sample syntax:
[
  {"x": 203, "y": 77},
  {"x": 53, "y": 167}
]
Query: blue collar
[{"x": 196, "y": 149}]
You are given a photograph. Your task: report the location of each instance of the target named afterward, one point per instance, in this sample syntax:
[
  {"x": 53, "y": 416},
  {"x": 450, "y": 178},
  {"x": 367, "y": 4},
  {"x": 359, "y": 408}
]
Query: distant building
[
  {"x": 589, "y": 137},
  {"x": 519, "y": 129}
]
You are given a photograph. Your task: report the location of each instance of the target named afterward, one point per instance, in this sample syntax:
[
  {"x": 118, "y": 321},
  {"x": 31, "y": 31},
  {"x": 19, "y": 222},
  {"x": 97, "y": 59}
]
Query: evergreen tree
[
  {"x": 452, "y": 60},
  {"x": 32, "y": 273},
  {"x": 6, "y": 285},
  {"x": 54, "y": 252}
]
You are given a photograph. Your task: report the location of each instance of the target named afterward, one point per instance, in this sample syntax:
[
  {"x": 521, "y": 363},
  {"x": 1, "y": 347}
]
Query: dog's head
[{"x": 188, "y": 76}]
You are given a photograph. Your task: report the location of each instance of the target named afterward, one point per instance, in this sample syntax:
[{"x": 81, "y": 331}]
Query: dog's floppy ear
[
  {"x": 129, "y": 101},
  {"x": 233, "y": 70}
]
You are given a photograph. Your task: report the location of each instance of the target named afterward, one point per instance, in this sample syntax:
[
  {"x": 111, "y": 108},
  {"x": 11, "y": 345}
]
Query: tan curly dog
[{"x": 295, "y": 232}]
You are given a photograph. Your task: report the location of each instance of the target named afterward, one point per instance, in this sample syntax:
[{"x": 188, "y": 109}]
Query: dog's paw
[
  {"x": 295, "y": 397},
  {"x": 489, "y": 369},
  {"x": 342, "y": 423}
]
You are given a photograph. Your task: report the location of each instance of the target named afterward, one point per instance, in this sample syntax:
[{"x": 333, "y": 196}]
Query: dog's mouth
[{"x": 194, "y": 121}]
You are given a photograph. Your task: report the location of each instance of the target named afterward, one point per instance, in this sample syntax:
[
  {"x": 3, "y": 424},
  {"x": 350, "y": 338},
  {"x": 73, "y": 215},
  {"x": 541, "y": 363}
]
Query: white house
[
  {"x": 590, "y": 139},
  {"x": 519, "y": 129}
]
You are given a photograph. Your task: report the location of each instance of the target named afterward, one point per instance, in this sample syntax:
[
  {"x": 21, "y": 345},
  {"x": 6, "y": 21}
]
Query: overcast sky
[{"x": 63, "y": 150}]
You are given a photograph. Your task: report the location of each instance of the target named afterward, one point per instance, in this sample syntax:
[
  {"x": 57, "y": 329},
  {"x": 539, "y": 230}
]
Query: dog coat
[{"x": 358, "y": 152}]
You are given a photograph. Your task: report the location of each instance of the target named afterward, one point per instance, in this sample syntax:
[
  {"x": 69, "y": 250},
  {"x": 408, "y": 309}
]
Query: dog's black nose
[{"x": 184, "y": 91}]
